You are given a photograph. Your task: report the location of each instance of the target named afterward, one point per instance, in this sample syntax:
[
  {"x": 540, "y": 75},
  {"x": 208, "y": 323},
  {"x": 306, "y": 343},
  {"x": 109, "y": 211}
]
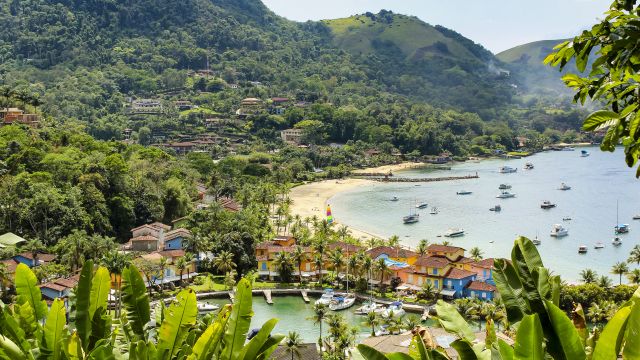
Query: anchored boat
[
  {"x": 505, "y": 195},
  {"x": 507, "y": 170},
  {"x": 454, "y": 233},
  {"x": 547, "y": 204},
  {"x": 559, "y": 231}
]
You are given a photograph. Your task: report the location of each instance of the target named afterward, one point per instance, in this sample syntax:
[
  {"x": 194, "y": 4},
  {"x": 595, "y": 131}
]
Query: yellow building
[
  {"x": 426, "y": 269},
  {"x": 393, "y": 253},
  {"x": 452, "y": 253}
]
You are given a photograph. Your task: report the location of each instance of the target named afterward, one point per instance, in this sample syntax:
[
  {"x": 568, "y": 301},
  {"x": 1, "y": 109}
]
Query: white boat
[
  {"x": 536, "y": 241},
  {"x": 496, "y": 208},
  {"x": 505, "y": 195},
  {"x": 384, "y": 330},
  {"x": 598, "y": 245},
  {"x": 564, "y": 187},
  {"x": 434, "y": 211},
  {"x": 464, "y": 192},
  {"x": 621, "y": 228},
  {"x": 326, "y": 297},
  {"x": 422, "y": 205},
  {"x": 367, "y": 307},
  {"x": 507, "y": 170},
  {"x": 410, "y": 219},
  {"x": 454, "y": 233},
  {"x": 547, "y": 204},
  {"x": 342, "y": 302},
  {"x": 394, "y": 310},
  {"x": 582, "y": 249},
  {"x": 559, "y": 231},
  {"x": 568, "y": 148},
  {"x": 584, "y": 153},
  {"x": 504, "y": 187},
  {"x": 616, "y": 241},
  {"x": 528, "y": 166},
  {"x": 206, "y": 307},
  {"x": 395, "y": 198},
  {"x": 636, "y": 217}
]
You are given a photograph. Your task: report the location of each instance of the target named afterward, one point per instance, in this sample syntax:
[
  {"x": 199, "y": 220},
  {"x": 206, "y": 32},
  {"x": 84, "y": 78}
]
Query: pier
[
  {"x": 389, "y": 174},
  {"x": 304, "y": 296},
  {"x": 428, "y": 179},
  {"x": 267, "y": 296}
]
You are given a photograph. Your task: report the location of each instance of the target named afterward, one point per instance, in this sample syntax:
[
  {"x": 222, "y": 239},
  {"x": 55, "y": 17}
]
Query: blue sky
[{"x": 496, "y": 24}]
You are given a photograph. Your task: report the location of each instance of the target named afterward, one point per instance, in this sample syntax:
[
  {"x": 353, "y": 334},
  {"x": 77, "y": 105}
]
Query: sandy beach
[{"x": 311, "y": 199}]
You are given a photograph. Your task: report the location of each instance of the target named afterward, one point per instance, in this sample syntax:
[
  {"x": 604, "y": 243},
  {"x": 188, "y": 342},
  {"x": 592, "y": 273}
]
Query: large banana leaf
[
  {"x": 505, "y": 350},
  {"x": 210, "y": 339},
  {"x": 10, "y": 349},
  {"x": 420, "y": 351},
  {"x": 100, "y": 288},
  {"x": 135, "y": 300},
  {"x": 610, "y": 341},
  {"x": 529, "y": 339},
  {"x": 252, "y": 349},
  {"x": 453, "y": 322},
  {"x": 10, "y": 328},
  {"x": 526, "y": 260},
  {"x": 100, "y": 327},
  {"x": 27, "y": 289},
  {"x": 370, "y": 353},
  {"x": 54, "y": 331},
  {"x": 83, "y": 320},
  {"x": 73, "y": 348},
  {"x": 179, "y": 319},
  {"x": 568, "y": 346},
  {"x": 239, "y": 322},
  {"x": 632, "y": 334},
  {"x": 510, "y": 289}
]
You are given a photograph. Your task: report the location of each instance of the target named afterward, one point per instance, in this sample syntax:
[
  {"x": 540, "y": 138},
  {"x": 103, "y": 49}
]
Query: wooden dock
[
  {"x": 267, "y": 296},
  {"x": 305, "y": 297},
  {"x": 429, "y": 179}
]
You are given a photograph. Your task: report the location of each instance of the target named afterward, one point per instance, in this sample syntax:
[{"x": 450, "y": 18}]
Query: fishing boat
[
  {"x": 536, "y": 241},
  {"x": 559, "y": 231},
  {"x": 434, "y": 211},
  {"x": 454, "y": 233},
  {"x": 507, "y": 170},
  {"x": 367, "y": 307},
  {"x": 598, "y": 245},
  {"x": 326, "y": 297},
  {"x": 496, "y": 208},
  {"x": 394, "y": 310},
  {"x": 463, "y": 192},
  {"x": 528, "y": 166},
  {"x": 582, "y": 249},
  {"x": 616, "y": 241},
  {"x": 342, "y": 302},
  {"x": 584, "y": 153},
  {"x": 504, "y": 187},
  {"x": 505, "y": 195},
  {"x": 564, "y": 187},
  {"x": 206, "y": 307},
  {"x": 422, "y": 205},
  {"x": 547, "y": 204}
]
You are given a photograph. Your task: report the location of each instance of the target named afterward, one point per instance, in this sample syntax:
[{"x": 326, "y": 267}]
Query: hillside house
[
  {"x": 184, "y": 105},
  {"x": 11, "y": 240},
  {"x": 28, "y": 259},
  {"x": 156, "y": 237},
  {"x": 146, "y": 106},
  {"x": 249, "y": 106},
  {"x": 59, "y": 288},
  {"x": 10, "y": 116},
  {"x": 292, "y": 136}
]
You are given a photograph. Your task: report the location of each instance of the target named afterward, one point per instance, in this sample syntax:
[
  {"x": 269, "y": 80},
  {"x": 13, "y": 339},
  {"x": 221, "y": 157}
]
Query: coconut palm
[
  {"x": 372, "y": 320},
  {"x": 343, "y": 232},
  {"x": 382, "y": 269},
  {"x": 428, "y": 291},
  {"x": 422, "y": 247},
  {"x": 446, "y": 243},
  {"x": 320, "y": 246},
  {"x": 620, "y": 268},
  {"x": 634, "y": 276},
  {"x": 476, "y": 253},
  {"x": 394, "y": 241},
  {"x": 411, "y": 322},
  {"x": 604, "y": 282},
  {"x": 292, "y": 344},
  {"x": 284, "y": 264},
  {"x": 188, "y": 257},
  {"x": 588, "y": 276},
  {"x": 224, "y": 262},
  {"x": 299, "y": 256},
  {"x": 116, "y": 262},
  {"x": 319, "y": 313},
  {"x": 337, "y": 260},
  {"x": 634, "y": 255},
  {"x": 181, "y": 265}
]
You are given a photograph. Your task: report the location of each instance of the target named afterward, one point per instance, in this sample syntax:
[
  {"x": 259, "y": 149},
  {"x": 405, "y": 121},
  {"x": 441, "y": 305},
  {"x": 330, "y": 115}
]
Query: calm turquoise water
[{"x": 597, "y": 183}]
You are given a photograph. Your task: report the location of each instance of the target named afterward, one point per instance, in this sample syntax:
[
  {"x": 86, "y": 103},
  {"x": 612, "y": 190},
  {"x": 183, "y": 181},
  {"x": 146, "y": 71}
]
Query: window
[
  {"x": 435, "y": 271},
  {"x": 436, "y": 284},
  {"x": 448, "y": 282},
  {"x": 484, "y": 295},
  {"x": 264, "y": 266},
  {"x": 473, "y": 294}
]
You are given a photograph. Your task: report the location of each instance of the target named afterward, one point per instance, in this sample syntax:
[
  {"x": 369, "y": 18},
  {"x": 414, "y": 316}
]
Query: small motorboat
[
  {"x": 584, "y": 153},
  {"x": 206, "y": 307},
  {"x": 568, "y": 148},
  {"x": 616, "y": 241},
  {"x": 367, "y": 307},
  {"x": 564, "y": 187},
  {"x": 582, "y": 249},
  {"x": 434, "y": 211},
  {"x": 342, "y": 302},
  {"x": 505, "y": 195},
  {"x": 528, "y": 166},
  {"x": 394, "y": 310},
  {"x": 384, "y": 330},
  {"x": 496, "y": 208},
  {"x": 454, "y": 233},
  {"x": 566, "y": 218},
  {"x": 507, "y": 170},
  {"x": 395, "y": 198},
  {"x": 636, "y": 217},
  {"x": 621, "y": 228},
  {"x": 598, "y": 245},
  {"x": 422, "y": 205},
  {"x": 547, "y": 204},
  {"x": 536, "y": 241},
  {"x": 504, "y": 187},
  {"x": 463, "y": 192},
  {"x": 326, "y": 297},
  {"x": 411, "y": 219},
  {"x": 559, "y": 231}
]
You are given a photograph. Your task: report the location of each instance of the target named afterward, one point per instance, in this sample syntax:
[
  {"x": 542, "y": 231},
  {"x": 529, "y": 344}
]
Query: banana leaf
[
  {"x": 210, "y": 339},
  {"x": 370, "y": 353},
  {"x": 73, "y": 347},
  {"x": 568, "y": 345},
  {"x": 135, "y": 301},
  {"x": 632, "y": 334},
  {"x": 239, "y": 322},
  {"x": 83, "y": 299},
  {"x": 179, "y": 319},
  {"x": 100, "y": 288},
  {"x": 26, "y": 284},
  {"x": 54, "y": 331},
  {"x": 453, "y": 322},
  {"x": 529, "y": 339}
]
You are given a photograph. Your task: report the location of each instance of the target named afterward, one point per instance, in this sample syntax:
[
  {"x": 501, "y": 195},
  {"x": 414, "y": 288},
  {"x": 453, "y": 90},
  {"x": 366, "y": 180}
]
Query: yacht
[
  {"x": 568, "y": 148},
  {"x": 206, "y": 307},
  {"x": 454, "y": 233},
  {"x": 395, "y": 198},
  {"x": 536, "y": 241},
  {"x": 463, "y": 192},
  {"x": 411, "y": 219},
  {"x": 504, "y": 187},
  {"x": 326, "y": 297},
  {"x": 394, "y": 310},
  {"x": 582, "y": 249},
  {"x": 496, "y": 208},
  {"x": 434, "y": 211},
  {"x": 598, "y": 245},
  {"x": 528, "y": 166},
  {"x": 342, "y": 302},
  {"x": 547, "y": 204},
  {"x": 564, "y": 187},
  {"x": 505, "y": 195},
  {"x": 422, "y": 205},
  {"x": 384, "y": 330},
  {"x": 636, "y": 217},
  {"x": 367, "y": 307},
  {"x": 616, "y": 241},
  {"x": 559, "y": 231},
  {"x": 584, "y": 153},
  {"x": 621, "y": 228},
  {"x": 507, "y": 170}
]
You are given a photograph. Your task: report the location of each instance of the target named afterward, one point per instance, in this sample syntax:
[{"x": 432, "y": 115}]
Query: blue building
[
  {"x": 456, "y": 281},
  {"x": 173, "y": 240},
  {"x": 27, "y": 259},
  {"x": 481, "y": 290}
]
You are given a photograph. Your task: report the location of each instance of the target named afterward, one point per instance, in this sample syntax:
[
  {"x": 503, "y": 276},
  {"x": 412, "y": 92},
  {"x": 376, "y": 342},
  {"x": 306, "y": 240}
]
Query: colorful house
[
  {"x": 156, "y": 237},
  {"x": 59, "y": 288},
  {"x": 28, "y": 259},
  {"x": 173, "y": 239},
  {"x": 481, "y": 290},
  {"x": 397, "y": 254},
  {"x": 455, "y": 282},
  {"x": 426, "y": 269},
  {"x": 452, "y": 253},
  {"x": 484, "y": 269}
]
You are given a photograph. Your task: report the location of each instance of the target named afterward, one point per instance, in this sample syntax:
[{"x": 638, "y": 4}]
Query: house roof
[
  {"x": 456, "y": 273},
  {"x": 431, "y": 261},
  {"x": 177, "y": 232},
  {"x": 10, "y": 265},
  {"x": 144, "y": 226},
  {"x": 160, "y": 225},
  {"x": 42, "y": 257},
  {"x": 229, "y": 204},
  {"x": 390, "y": 343},
  {"x": 279, "y": 99},
  {"x": 144, "y": 238},
  {"x": 69, "y": 282},
  {"x": 486, "y": 263},
  {"x": 443, "y": 248},
  {"x": 481, "y": 286},
  {"x": 390, "y": 251},
  {"x": 350, "y": 248},
  {"x": 307, "y": 352},
  {"x": 54, "y": 286},
  {"x": 465, "y": 260},
  {"x": 11, "y": 239}
]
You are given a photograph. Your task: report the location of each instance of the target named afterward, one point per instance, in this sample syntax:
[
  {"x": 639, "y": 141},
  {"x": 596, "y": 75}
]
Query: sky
[{"x": 496, "y": 24}]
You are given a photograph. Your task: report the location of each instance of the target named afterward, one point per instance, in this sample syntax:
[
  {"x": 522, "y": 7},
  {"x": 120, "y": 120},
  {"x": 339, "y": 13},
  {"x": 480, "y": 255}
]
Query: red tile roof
[
  {"x": 431, "y": 261},
  {"x": 465, "y": 260},
  {"x": 486, "y": 263},
  {"x": 10, "y": 265},
  {"x": 160, "y": 225},
  {"x": 481, "y": 286},
  {"x": 176, "y": 233},
  {"x": 346, "y": 248},
  {"x": 391, "y": 251},
  {"x": 144, "y": 238},
  {"x": 229, "y": 204},
  {"x": 53, "y": 286},
  {"x": 70, "y": 282},
  {"x": 443, "y": 248},
  {"x": 456, "y": 273},
  {"x": 41, "y": 257}
]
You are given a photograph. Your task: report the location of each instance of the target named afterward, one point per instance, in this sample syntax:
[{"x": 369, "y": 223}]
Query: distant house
[
  {"x": 481, "y": 290},
  {"x": 181, "y": 148},
  {"x": 146, "y": 106},
  {"x": 174, "y": 238},
  {"x": 229, "y": 204},
  {"x": 234, "y": 86},
  {"x": 292, "y": 136},
  {"x": 10, "y": 116},
  {"x": 455, "y": 282},
  {"x": 171, "y": 271},
  {"x": 249, "y": 106},
  {"x": 452, "y": 253},
  {"x": 10, "y": 266},
  {"x": 279, "y": 105},
  {"x": 28, "y": 259},
  {"x": 156, "y": 237},
  {"x": 11, "y": 239},
  {"x": 59, "y": 288},
  {"x": 183, "y": 105}
]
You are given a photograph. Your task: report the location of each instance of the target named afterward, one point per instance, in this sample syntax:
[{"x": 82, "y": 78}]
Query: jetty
[
  {"x": 305, "y": 297},
  {"x": 373, "y": 174},
  {"x": 267, "y": 296},
  {"x": 427, "y": 179}
]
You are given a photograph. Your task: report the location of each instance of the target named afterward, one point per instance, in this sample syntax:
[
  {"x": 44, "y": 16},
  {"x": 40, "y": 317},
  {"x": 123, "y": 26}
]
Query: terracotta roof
[
  {"x": 53, "y": 286},
  {"x": 443, "y": 248},
  {"x": 144, "y": 238},
  {"x": 431, "y": 261},
  {"x": 41, "y": 257},
  {"x": 486, "y": 263},
  {"x": 70, "y": 282},
  {"x": 144, "y": 226},
  {"x": 456, "y": 273},
  {"x": 10, "y": 265},
  {"x": 160, "y": 225},
  {"x": 465, "y": 260},
  {"x": 391, "y": 251},
  {"x": 347, "y": 248},
  {"x": 176, "y": 233},
  {"x": 283, "y": 238},
  {"x": 229, "y": 204},
  {"x": 481, "y": 286},
  {"x": 264, "y": 245},
  {"x": 279, "y": 99}
]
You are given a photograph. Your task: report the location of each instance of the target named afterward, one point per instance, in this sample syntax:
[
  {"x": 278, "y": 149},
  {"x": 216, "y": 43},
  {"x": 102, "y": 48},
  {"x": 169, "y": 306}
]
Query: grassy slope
[{"x": 530, "y": 54}]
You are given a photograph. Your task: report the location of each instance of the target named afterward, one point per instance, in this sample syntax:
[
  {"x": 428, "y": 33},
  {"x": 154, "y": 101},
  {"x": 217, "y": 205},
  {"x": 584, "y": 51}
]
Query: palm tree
[
  {"x": 224, "y": 262},
  {"x": 422, "y": 247},
  {"x": 634, "y": 255},
  {"x": 299, "y": 256},
  {"x": 382, "y": 269},
  {"x": 162, "y": 265},
  {"x": 320, "y": 246},
  {"x": 284, "y": 264},
  {"x": 319, "y": 311},
  {"x": 620, "y": 268},
  {"x": 446, "y": 243},
  {"x": 181, "y": 265},
  {"x": 634, "y": 276},
  {"x": 394, "y": 241},
  {"x": 343, "y": 232},
  {"x": 604, "y": 282},
  {"x": 188, "y": 257},
  {"x": 115, "y": 262},
  {"x": 476, "y": 253},
  {"x": 411, "y": 322},
  {"x": 588, "y": 276},
  {"x": 372, "y": 320},
  {"x": 428, "y": 290},
  {"x": 292, "y": 344},
  {"x": 337, "y": 260}
]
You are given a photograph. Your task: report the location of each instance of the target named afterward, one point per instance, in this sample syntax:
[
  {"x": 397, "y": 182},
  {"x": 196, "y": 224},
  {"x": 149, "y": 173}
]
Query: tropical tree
[
  {"x": 181, "y": 265},
  {"x": 224, "y": 262},
  {"x": 116, "y": 262},
  {"x": 319, "y": 313},
  {"x": 422, "y": 247},
  {"x": 620, "y": 268},
  {"x": 292, "y": 344},
  {"x": 604, "y": 282},
  {"x": 394, "y": 241},
  {"x": 588, "y": 276},
  {"x": 299, "y": 256},
  {"x": 634, "y": 255},
  {"x": 476, "y": 253},
  {"x": 634, "y": 276},
  {"x": 337, "y": 260},
  {"x": 284, "y": 264},
  {"x": 319, "y": 246},
  {"x": 382, "y": 268},
  {"x": 372, "y": 320}
]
